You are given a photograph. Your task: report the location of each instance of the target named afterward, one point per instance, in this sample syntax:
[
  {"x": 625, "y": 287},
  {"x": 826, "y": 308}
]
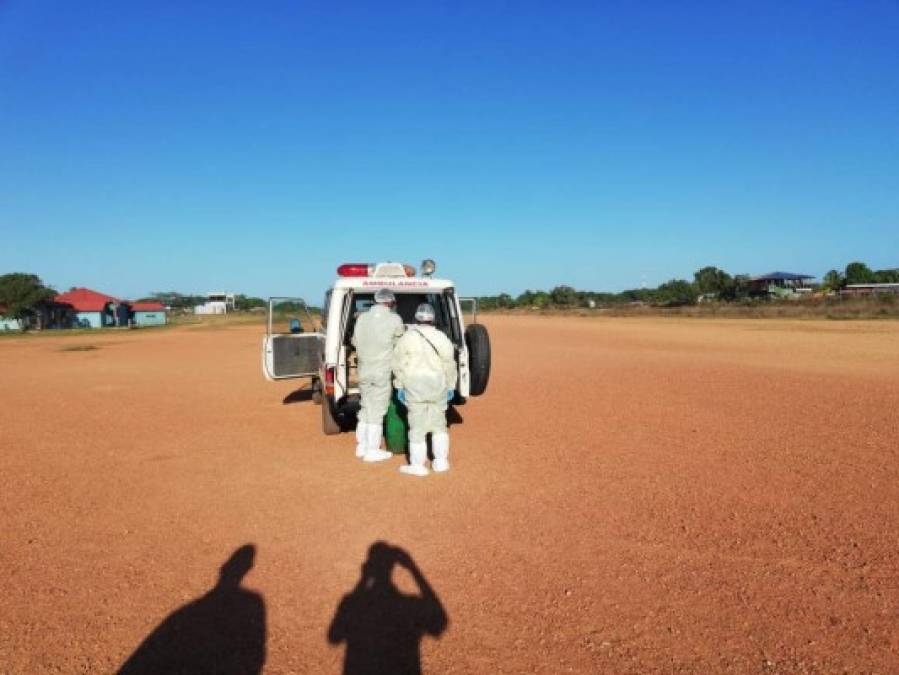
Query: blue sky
[{"x": 254, "y": 146}]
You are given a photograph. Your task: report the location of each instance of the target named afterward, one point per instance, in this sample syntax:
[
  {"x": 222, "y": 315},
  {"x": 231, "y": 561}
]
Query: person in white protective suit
[
  {"x": 374, "y": 337},
  {"x": 424, "y": 370}
]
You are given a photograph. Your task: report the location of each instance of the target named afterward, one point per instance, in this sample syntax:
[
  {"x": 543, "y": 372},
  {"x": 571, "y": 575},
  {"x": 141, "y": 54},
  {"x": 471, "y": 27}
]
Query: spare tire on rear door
[{"x": 478, "y": 342}]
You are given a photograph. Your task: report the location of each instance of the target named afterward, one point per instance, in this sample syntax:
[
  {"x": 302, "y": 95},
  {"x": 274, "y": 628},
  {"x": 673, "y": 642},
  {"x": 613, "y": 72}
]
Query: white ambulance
[{"x": 298, "y": 346}]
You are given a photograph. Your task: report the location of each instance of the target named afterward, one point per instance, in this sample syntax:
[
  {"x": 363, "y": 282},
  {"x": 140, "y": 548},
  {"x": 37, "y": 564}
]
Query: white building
[{"x": 217, "y": 302}]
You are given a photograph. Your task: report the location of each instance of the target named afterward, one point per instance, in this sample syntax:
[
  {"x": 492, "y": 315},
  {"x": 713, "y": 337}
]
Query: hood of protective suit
[
  {"x": 424, "y": 364},
  {"x": 374, "y": 337}
]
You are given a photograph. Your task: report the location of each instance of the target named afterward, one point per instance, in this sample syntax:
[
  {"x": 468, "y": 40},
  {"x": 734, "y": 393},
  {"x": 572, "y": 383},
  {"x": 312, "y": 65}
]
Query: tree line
[
  {"x": 711, "y": 283},
  {"x": 21, "y": 294},
  {"x": 180, "y": 301},
  {"x": 859, "y": 273}
]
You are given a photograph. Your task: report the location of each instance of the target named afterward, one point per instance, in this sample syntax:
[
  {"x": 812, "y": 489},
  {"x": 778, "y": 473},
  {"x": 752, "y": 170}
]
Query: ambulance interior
[{"x": 445, "y": 319}]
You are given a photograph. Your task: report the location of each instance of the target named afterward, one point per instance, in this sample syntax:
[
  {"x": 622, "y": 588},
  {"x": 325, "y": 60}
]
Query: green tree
[
  {"x": 541, "y": 298},
  {"x": 605, "y": 298},
  {"x": 486, "y": 302},
  {"x": 713, "y": 281},
  {"x": 675, "y": 293},
  {"x": 636, "y": 295},
  {"x": 833, "y": 280},
  {"x": 526, "y": 299},
  {"x": 564, "y": 296},
  {"x": 886, "y": 276},
  {"x": 532, "y": 299},
  {"x": 22, "y": 294},
  {"x": 858, "y": 273},
  {"x": 244, "y": 302}
]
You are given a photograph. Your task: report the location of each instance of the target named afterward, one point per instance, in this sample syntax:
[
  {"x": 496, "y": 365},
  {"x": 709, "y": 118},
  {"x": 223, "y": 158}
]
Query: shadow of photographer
[
  {"x": 223, "y": 631},
  {"x": 382, "y": 626}
]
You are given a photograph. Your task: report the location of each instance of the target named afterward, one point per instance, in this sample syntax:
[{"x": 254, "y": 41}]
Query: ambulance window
[
  {"x": 441, "y": 319},
  {"x": 359, "y": 303},
  {"x": 362, "y": 302},
  {"x": 406, "y": 304},
  {"x": 453, "y": 333}
]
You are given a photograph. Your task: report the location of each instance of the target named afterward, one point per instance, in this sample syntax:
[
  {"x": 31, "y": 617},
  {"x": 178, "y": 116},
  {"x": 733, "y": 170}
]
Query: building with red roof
[
  {"x": 86, "y": 300},
  {"x": 147, "y": 306},
  {"x": 148, "y": 313},
  {"x": 87, "y": 308},
  {"x": 92, "y": 309}
]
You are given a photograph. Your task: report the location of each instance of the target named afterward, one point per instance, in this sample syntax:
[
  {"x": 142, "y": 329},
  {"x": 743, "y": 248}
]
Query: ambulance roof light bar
[{"x": 387, "y": 269}]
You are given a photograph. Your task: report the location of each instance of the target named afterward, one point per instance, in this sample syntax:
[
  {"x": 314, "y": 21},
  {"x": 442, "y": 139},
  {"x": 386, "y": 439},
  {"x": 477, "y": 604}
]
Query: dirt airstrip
[{"x": 631, "y": 495}]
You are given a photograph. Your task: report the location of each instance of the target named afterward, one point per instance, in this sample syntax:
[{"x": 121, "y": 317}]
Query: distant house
[
  {"x": 779, "y": 283},
  {"x": 870, "y": 289},
  {"x": 45, "y": 315},
  {"x": 92, "y": 309},
  {"x": 148, "y": 313}
]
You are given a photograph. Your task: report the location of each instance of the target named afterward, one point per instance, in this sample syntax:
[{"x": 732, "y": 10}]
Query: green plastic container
[{"x": 396, "y": 427}]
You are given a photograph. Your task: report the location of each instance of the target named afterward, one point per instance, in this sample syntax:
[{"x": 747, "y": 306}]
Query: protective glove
[
  {"x": 401, "y": 396},
  {"x": 451, "y": 394}
]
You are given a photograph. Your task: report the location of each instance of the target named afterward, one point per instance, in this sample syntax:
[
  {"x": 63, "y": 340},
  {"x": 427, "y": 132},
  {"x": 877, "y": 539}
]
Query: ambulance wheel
[
  {"x": 478, "y": 342},
  {"x": 329, "y": 423}
]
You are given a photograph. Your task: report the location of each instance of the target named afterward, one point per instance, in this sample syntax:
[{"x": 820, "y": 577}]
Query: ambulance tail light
[
  {"x": 355, "y": 270},
  {"x": 329, "y": 380}
]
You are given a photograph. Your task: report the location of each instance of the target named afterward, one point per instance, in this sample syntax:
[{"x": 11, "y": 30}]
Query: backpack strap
[{"x": 428, "y": 341}]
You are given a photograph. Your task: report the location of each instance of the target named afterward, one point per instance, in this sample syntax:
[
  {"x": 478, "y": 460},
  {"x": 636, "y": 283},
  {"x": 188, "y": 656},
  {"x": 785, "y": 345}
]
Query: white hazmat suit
[
  {"x": 424, "y": 367},
  {"x": 374, "y": 337}
]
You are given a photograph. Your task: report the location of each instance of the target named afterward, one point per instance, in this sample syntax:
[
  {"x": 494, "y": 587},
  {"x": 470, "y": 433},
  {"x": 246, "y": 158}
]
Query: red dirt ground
[{"x": 631, "y": 495}]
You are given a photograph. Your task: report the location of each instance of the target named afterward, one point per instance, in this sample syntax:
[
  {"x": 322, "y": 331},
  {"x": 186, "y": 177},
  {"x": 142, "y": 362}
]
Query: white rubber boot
[
  {"x": 373, "y": 452},
  {"x": 418, "y": 455},
  {"x": 440, "y": 445},
  {"x": 361, "y": 436}
]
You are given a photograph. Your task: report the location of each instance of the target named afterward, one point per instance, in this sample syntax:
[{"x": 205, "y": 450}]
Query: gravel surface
[{"x": 630, "y": 495}]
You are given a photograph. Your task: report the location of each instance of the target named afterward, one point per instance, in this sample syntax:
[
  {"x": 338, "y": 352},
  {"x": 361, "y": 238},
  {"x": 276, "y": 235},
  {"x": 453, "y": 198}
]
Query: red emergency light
[{"x": 355, "y": 270}]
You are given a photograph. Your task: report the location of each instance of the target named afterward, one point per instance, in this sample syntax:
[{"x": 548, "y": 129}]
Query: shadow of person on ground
[
  {"x": 298, "y": 396},
  {"x": 381, "y": 625},
  {"x": 220, "y": 632}
]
